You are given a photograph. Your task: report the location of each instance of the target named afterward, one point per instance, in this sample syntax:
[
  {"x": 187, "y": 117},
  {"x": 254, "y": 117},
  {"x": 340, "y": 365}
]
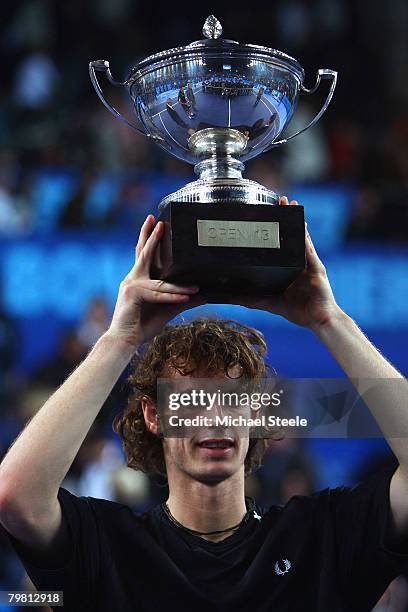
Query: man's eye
[{"x": 233, "y": 405}]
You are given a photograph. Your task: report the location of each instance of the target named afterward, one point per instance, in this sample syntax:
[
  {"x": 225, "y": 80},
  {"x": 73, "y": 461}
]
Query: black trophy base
[{"x": 231, "y": 248}]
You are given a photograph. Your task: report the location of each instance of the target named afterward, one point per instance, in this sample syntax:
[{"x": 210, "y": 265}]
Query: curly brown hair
[{"x": 217, "y": 343}]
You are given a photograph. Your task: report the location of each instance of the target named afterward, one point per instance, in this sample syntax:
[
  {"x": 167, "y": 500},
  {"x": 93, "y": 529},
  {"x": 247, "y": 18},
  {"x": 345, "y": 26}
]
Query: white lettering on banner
[
  {"x": 42, "y": 279},
  {"x": 39, "y": 277}
]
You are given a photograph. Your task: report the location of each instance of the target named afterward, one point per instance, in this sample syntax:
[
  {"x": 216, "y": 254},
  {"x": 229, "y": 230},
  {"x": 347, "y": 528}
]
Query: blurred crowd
[{"x": 66, "y": 162}]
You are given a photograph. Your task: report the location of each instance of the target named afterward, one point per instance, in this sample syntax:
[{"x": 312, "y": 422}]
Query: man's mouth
[{"x": 216, "y": 446}]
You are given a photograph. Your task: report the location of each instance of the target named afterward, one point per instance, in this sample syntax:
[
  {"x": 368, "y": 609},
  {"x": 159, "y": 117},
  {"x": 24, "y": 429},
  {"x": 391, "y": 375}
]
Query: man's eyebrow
[
  {"x": 189, "y": 389},
  {"x": 225, "y": 385}
]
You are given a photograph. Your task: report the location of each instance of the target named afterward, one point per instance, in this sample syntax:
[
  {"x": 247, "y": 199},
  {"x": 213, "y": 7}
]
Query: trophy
[{"x": 217, "y": 103}]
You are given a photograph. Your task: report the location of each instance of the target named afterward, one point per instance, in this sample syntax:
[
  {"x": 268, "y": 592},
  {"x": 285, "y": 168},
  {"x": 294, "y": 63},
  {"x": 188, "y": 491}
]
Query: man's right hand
[{"x": 144, "y": 305}]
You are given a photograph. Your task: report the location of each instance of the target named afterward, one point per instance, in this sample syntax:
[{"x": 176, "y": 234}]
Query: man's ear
[{"x": 150, "y": 414}]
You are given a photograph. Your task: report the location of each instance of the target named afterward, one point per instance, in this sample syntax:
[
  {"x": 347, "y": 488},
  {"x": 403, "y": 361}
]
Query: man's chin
[{"x": 212, "y": 474}]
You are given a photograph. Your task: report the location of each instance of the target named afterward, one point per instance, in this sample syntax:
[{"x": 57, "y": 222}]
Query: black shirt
[
  {"x": 182, "y": 97},
  {"x": 324, "y": 553}
]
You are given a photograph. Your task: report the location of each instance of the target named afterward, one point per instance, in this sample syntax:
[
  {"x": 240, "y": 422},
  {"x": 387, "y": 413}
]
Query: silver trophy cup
[{"x": 216, "y": 103}]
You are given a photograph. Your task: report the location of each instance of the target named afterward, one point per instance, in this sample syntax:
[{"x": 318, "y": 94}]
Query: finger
[
  {"x": 196, "y": 300},
  {"x": 150, "y": 296},
  {"x": 144, "y": 234},
  {"x": 145, "y": 259},
  {"x": 294, "y": 203},
  {"x": 283, "y": 201},
  {"x": 314, "y": 262},
  {"x": 193, "y": 302},
  {"x": 162, "y": 286}
]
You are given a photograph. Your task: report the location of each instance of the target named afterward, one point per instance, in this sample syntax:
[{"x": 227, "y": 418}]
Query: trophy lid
[
  {"x": 238, "y": 98},
  {"x": 213, "y": 44}
]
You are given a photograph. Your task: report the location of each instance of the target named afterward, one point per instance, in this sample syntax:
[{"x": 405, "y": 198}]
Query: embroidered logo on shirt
[
  {"x": 279, "y": 571},
  {"x": 256, "y": 515}
]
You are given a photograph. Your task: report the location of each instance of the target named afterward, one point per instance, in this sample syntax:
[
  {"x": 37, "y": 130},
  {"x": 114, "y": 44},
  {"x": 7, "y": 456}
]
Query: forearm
[
  {"x": 383, "y": 387},
  {"x": 38, "y": 461},
  {"x": 354, "y": 352}
]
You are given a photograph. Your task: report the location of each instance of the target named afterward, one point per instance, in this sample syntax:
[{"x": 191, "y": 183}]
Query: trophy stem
[
  {"x": 220, "y": 173},
  {"x": 219, "y": 167}
]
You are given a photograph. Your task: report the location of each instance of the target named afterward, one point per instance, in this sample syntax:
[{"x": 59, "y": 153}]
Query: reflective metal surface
[
  {"x": 216, "y": 99},
  {"x": 222, "y": 189},
  {"x": 212, "y": 89},
  {"x": 212, "y": 27}
]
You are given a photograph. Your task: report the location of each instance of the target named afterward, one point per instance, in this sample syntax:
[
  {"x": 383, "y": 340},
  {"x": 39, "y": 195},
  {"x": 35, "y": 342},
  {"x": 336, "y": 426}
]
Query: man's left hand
[{"x": 308, "y": 301}]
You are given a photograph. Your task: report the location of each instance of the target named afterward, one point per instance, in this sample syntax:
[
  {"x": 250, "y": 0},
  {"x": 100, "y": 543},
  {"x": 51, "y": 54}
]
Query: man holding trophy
[{"x": 208, "y": 547}]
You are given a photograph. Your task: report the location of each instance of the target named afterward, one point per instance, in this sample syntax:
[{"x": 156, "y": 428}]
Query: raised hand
[
  {"x": 309, "y": 300},
  {"x": 144, "y": 305}
]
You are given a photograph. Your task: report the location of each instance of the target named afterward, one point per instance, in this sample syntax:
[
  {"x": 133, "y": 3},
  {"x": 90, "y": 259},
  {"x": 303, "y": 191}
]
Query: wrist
[
  {"x": 335, "y": 317},
  {"x": 117, "y": 346}
]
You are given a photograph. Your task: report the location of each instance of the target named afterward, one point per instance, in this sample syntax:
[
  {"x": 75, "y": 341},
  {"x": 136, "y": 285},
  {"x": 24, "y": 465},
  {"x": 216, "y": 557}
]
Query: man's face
[{"x": 210, "y": 454}]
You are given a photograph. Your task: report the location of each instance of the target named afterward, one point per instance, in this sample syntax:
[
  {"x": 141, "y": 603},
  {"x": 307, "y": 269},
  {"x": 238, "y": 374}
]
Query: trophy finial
[{"x": 212, "y": 27}]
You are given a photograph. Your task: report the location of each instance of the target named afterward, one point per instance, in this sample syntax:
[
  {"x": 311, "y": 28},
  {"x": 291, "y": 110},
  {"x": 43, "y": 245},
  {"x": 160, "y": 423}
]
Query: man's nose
[{"x": 218, "y": 410}]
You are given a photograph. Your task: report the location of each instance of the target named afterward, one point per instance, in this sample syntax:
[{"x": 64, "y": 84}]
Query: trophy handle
[
  {"x": 323, "y": 73},
  {"x": 103, "y": 66}
]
